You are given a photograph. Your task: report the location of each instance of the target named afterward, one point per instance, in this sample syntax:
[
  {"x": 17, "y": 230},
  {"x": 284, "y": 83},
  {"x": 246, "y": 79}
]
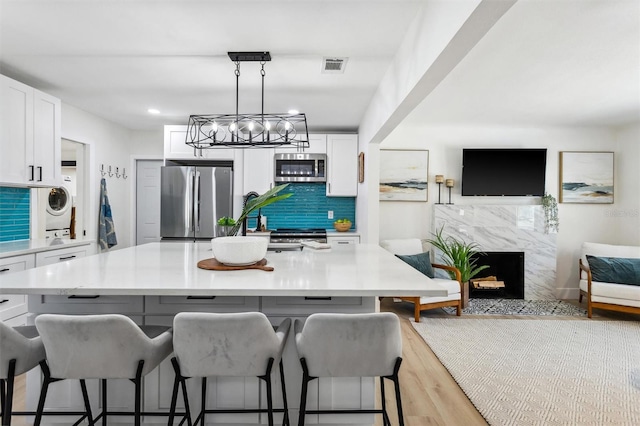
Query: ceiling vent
[{"x": 333, "y": 65}]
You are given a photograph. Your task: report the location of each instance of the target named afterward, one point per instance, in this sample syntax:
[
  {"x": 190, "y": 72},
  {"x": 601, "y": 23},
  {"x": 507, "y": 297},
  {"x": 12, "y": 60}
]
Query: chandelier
[{"x": 263, "y": 130}]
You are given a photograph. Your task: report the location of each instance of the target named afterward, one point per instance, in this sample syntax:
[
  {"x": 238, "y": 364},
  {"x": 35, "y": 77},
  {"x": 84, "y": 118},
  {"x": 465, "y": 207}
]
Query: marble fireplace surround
[{"x": 507, "y": 228}]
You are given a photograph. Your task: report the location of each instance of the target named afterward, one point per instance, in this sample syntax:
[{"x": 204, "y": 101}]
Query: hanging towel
[{"x": 106, "y": 231}]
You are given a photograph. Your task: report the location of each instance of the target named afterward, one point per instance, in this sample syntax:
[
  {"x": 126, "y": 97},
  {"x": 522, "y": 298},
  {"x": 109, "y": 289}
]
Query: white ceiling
[{"x": 558, "y": 62}]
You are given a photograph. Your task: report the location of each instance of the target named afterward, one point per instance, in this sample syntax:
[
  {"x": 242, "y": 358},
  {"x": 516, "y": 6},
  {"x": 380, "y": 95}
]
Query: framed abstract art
[
  {"x": 586, "y": 177},
  {"x": 403, "y": 175}
]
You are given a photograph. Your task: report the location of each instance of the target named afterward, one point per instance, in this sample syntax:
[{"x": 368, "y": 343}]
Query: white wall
[
  {"x": 611, "y": 223},
  {"x": 109, "y": 144}
]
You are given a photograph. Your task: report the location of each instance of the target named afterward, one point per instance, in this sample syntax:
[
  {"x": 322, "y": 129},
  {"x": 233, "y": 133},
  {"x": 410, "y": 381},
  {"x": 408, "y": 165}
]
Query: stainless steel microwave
[{"x": 299, "y": 167}]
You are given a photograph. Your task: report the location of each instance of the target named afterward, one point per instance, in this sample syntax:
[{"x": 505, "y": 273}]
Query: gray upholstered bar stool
[
  {"x": 350, "y": 345},
  {"x": 108, "y": 346},
  {"x": 229, "y": 344},
  {"x": 21, "y": 349}
]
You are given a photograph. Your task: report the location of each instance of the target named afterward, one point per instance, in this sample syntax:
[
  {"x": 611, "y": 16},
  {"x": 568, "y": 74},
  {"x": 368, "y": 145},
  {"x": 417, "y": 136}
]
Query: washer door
[{"x": 59, "y": 201}]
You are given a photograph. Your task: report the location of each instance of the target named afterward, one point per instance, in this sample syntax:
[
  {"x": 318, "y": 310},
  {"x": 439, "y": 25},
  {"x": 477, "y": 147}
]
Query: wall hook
[
  {"x": 110, "y": 174},
  {"x": 124, "y": 173},
  {"x": 102, "y": 170},
  {"x": 117, "y": 172}
]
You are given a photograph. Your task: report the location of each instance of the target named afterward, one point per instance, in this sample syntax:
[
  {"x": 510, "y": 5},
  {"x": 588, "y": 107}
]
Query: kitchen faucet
[{"x": 244, "y": 204}]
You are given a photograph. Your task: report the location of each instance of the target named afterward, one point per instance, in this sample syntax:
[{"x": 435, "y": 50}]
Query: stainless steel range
[{"x": 296, "y": 236}]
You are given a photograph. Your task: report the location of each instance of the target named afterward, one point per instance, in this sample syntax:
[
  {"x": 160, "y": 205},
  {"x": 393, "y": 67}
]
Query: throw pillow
[
  {"x": 617, "y": 270},
  {"x": 421, "y": 262}
]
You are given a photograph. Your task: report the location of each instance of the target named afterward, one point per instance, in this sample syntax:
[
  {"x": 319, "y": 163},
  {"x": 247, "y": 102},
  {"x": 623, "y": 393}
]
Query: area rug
[
  {"x": 519, "y": 307},
  {"x": 542, "y": 372}
]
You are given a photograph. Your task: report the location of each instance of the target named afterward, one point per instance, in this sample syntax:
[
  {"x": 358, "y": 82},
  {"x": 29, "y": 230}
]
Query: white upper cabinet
[
  {"x": 258, "y": 170},
  {"x": 47, "y": 139},
  {"x": 29, "y": 136},
  {"x": 175, "y": 147},
  {"x": 317, "y": 145},
  {"x": 342, "y": 165}
]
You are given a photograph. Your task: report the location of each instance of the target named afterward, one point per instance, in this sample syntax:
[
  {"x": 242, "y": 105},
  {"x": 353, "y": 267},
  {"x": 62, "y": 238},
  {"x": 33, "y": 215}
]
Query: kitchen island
[{"x": 152, "y": 282}]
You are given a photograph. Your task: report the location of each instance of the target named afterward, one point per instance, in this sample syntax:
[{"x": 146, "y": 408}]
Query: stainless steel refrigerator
[{"x": 193, "y": 198}]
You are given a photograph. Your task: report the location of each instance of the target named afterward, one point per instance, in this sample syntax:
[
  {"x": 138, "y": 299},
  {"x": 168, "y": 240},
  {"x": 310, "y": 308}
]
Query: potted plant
[
  {"x": 459, "y": 254},
  {"x": 269, "y": 197},
  {"x": 550, "y": 207}
]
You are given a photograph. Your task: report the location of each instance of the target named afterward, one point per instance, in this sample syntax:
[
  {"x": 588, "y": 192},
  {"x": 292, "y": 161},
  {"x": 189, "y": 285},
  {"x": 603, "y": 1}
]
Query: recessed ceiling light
[
  {"x": 293, "y": 111},
  {"x": 153, "y": 111}
]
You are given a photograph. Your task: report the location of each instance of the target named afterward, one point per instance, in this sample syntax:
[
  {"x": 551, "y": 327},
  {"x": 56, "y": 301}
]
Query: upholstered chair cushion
[
  {"x": 403, "y": 246},
  {"x": 22, "y": 344},
  {"x": 349, "y": 345},
  {"x": 106, "y": 346},
  {"x": 420, "y": 261},
  {"x": 237, "y": 344}
]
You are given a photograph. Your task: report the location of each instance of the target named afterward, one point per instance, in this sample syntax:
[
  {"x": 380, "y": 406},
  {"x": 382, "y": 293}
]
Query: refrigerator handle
[
  {"x": 189, "y": 199},
  {"x": 196, "y": 223}
]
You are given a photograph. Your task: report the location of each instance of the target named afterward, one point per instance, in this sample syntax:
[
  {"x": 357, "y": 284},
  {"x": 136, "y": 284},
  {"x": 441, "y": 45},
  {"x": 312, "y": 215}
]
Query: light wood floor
[{"x": 430, "y": 396}]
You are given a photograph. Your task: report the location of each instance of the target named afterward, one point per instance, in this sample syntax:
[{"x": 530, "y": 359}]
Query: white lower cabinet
[
  {"x": 13, "y": 305},
  {"x": 340, "y": 240}
]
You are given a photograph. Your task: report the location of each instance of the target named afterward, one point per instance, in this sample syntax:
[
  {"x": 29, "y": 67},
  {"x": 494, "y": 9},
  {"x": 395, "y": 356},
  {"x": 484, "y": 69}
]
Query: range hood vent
[{"x": 333, "y": 65}]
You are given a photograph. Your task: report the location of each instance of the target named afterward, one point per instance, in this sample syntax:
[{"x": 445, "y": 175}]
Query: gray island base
[{"x": 151, "y": 283}]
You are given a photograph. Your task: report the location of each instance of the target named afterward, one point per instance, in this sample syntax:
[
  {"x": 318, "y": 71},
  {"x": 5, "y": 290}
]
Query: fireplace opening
[{"x": 507, "y": 267}]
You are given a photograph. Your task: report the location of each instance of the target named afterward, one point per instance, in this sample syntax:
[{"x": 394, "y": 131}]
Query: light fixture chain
[
  {"x": 237, "y": 72},
  {"x": 262, "y": 73}
]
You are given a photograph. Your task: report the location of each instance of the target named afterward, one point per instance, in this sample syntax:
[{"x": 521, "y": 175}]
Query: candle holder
[
  {"x": 449, "y": 184},
  {"x": 439, "y": 181}
]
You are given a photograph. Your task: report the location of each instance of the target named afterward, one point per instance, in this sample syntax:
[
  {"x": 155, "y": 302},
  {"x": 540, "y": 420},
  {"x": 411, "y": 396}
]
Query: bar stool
[
  {"x": 108, "y": 346},
  {"x": 21, "y": 349},
  {"x": 350, "y": 345},
  {"x": 231, "y": 344}
]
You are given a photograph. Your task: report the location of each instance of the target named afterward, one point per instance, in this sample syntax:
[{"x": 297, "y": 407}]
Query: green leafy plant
[
  {"x": 550, "y": 207},
  {"x": 458, "y": 253},
  {"x": 269, "y": 197},
  {"x": 226, "y": 221}
]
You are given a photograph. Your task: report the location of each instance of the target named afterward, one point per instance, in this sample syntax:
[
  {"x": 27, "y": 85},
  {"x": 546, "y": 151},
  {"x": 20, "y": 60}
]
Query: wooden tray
[{"x": 214, "y": 265}]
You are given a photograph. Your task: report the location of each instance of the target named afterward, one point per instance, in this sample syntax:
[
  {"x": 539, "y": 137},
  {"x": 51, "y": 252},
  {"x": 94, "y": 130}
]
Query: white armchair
[{"x": 455, "y": 288}]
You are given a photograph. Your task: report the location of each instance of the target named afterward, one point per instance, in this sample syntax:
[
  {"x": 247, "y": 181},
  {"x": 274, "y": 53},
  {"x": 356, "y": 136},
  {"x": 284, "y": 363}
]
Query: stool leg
[
  {"x": 43, "y": 393},
  {"x": 303, "y": 396},
  {"x": 267, "y": 379},
  {"x": 396, "y": 382},
  {"x": 174, "y": 394},
  {"x": 203, "y": 402},
  {"x": 285, "y": 420},
  {"x": 138, "y": 402},
  {"x": 104, "y": 401},
  {"x": 385, "y": 415},
  {"x": 2, "y": 399},
  {"x": 7, "y": 406},
  {"x": 87, "y": 404}
]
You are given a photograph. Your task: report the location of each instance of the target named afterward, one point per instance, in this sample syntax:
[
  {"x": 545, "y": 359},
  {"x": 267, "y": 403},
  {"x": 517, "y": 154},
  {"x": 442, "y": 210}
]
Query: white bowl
[{"x": 239, "y": 251}]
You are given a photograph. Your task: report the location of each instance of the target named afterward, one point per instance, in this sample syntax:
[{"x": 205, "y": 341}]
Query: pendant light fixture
[{"x": 263, "y": 130}]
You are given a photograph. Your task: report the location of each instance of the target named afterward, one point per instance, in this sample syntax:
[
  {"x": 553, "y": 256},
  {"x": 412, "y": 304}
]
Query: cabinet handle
[
  {"x": 32, "y": 173},
  {"x": 40, "y": 170},
  {"x": 83, "y": 297},
  {"x": 344, "y": 242},
  {"x": 201, "y": 297},
  {"x": 67, "y": 258},
  {"x": 3, "y": 301},
  {"x": 5, "y": 270},
  {"x": 317, "y": 298},
  {"x": 329, "y": 185}
]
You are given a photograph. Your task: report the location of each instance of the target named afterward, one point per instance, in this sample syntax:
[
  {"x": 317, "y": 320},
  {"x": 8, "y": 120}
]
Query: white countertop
[
  {"x": 169, "y": 268},
  {"x": 18, "y": 248}
]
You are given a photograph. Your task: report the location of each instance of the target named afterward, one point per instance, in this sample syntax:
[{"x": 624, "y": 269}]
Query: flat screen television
[{"x": 503, "y": 172}]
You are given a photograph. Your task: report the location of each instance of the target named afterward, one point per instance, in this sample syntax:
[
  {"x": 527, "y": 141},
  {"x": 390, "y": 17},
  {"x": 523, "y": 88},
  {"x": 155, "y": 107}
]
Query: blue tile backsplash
[
  {"x": 14, "y": 213},
  {"x": 307, "y": 208}
]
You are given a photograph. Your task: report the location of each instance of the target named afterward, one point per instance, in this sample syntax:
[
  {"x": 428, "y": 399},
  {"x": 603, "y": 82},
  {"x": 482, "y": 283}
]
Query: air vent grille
[{"x": 333, "y": 65}]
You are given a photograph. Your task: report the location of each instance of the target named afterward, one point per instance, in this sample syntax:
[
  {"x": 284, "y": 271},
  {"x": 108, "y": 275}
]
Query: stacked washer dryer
[{"x": 58, "y": 220}]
